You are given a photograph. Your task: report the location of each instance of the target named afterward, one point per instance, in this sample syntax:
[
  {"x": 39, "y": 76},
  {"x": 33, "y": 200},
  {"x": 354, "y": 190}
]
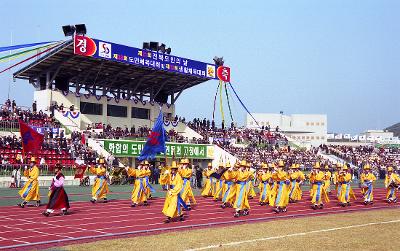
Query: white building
[
  {"x": 304, "y": 128},
  {"x": 377, "y": 135}
]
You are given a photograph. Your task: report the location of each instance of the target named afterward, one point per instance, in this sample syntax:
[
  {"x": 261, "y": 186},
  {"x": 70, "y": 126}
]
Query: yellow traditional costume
[
  {"x": 219, "y": 187},
  {"x": 187, "y": 192},
  {"x": 208, "y": 189},
  {"x": 30, "y": 191},
  {"x": 296, "y": 179},
  {"x": 367, "y": 185},
  {"x": 173, "y": 202},
  {"x": 265, "y": 183},
  {"x": 249, "y": 185},
  {"x": 318, "y": 188},
  {"x": 241, "y": 201},
  {"x": 392, "y": 183},
  {"x": 229, "y": 191},
  {"x": 100, "y": 185},
  {"x": 346, "y": 191},
  {"x": 327, "y": 180},
  {"x": 280, "y": 194},
  {"x": 336, "y": 180},
  {"x": 140, "y": 187}
]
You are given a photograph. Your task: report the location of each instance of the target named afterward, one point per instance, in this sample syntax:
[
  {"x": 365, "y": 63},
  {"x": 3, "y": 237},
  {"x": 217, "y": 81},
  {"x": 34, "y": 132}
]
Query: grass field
[{"x": 374, "y": 230}]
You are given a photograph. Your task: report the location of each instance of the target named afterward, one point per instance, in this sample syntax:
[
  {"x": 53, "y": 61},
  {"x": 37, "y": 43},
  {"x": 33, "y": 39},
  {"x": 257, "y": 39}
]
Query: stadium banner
[
  {"x": 125, "y": 148},
  {"x": 95, "y": 48},
  {"x": 48, "y": 129}
]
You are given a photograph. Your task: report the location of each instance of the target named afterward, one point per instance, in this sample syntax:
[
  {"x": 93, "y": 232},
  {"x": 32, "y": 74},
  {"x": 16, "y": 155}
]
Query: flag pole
[{"x": 22, "y": 142}]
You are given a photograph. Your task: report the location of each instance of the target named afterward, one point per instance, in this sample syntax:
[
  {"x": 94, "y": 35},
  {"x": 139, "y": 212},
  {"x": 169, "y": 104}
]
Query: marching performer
[
  {"x": 367, "y": 184},
  {"x": 280, "y": 194},
  {"x": 346, "y": 192},
  {"x": 229, "y": 193},
  {"x": 30, "y": 191},
  {"x": 208, "y": 186},
  {"x": 58, "y": 199},
  {"x": 147, "y": 173},
  {"x": 249, "y": 185},
  {"x": 139, "y": 192},
  {"x": 241, "y": 204},
  {"x": 219, "y": 184},
  {"x": 327, "y": 180},
  {"x": 265, "y": 182},
  {"x": 392, "y": 184},
  {"x": 317, "y": 186},
  {"x": 296, "y": 177},
  {"x": 186, "y": 192},
  {"x": 100, "y": 186},
  {"x": 173, "y": 202},
  {"x": 336, "y": 180}
]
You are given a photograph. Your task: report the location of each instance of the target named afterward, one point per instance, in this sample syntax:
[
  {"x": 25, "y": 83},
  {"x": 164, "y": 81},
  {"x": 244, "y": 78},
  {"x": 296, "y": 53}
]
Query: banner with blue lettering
[
  {"x": 48, "y": 129},
  {"x": 91, "y": 47}
]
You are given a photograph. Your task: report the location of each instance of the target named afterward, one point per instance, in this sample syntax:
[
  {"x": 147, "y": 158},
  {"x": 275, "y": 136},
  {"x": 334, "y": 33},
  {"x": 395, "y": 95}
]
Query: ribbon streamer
[
  {"x": 21, "y": 53},
  {"x": 23, "y": 61},
  {"x": 227, "y": 98},
  {"x": 215, "y": 100},
  {"x": 220, "y": 101},
  {"x": 247, "y": 110},
  {"x": 20, "y": 46}
]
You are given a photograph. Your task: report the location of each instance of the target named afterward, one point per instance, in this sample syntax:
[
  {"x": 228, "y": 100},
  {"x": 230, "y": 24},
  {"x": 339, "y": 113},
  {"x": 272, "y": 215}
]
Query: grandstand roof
[{"x": 103, "y": 76}]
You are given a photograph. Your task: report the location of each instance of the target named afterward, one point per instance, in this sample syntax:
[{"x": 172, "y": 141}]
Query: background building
[{"x": 304, "y": 128}]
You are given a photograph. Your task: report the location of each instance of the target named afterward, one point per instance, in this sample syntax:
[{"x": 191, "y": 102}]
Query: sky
[{"x": 334, "y": 57}]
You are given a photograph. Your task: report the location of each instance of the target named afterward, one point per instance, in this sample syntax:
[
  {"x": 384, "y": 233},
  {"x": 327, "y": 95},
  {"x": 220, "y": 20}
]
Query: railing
[
  {"x": 45, "y": 170},
  {"x": 9, "y": 126}
]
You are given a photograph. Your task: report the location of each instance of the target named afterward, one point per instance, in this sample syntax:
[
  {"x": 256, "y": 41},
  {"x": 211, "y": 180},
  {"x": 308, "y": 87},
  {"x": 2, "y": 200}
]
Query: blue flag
[{"x": 156, "y": 140}]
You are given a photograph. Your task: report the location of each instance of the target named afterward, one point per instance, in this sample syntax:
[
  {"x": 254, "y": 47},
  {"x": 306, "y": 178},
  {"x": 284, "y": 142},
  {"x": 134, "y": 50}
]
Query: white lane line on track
[
  {"x": 150, "y": 212},
  {"x": 236, "y": 243},
  {"x": 262, "y": 213},
  {"x": 174, "y": 227}
]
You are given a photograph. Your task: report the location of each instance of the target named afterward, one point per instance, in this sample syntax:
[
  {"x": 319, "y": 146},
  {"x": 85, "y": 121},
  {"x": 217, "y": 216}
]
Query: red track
[{"x": 28, "y": 229}]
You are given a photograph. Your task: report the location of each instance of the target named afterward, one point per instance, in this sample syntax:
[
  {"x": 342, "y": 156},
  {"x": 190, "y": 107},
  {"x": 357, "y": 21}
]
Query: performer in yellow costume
[
  {"x": 148, "y": 188},
  {"x": 100, "y": 186},
  {"x": 30, "y": 191},
  {"x": 187, "y": 193},
  {"x": 208, "y": 186},
  {"x": 265, "y": 182},
  {"x": 296, "y": 177},
  {"x": 336, "y": 180},
  {"x": 241, "y": 204},
  {"x": 219, "y": 183},
  {"x": 173, "y": 202},
  {"x": 139, "y": 192},
  {"x": 317, "y": 186},
  {"x": 327, "y": 179},
  {"x": 346, "y": 191},
  {"x": 392, "y": 184},
  {"x": 229, "y": 193},
  {"x": 280, "y": 194},
  {"x": 249, "y": 185},
  {"x": 367, "y": 185}
]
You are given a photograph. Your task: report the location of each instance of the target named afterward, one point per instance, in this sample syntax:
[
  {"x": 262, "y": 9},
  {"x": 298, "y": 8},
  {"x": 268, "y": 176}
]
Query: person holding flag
[
  {"x": 30, "y": 192},
  {"x": 173, "y": 202},
  {"x": 31, "y": 143}
]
